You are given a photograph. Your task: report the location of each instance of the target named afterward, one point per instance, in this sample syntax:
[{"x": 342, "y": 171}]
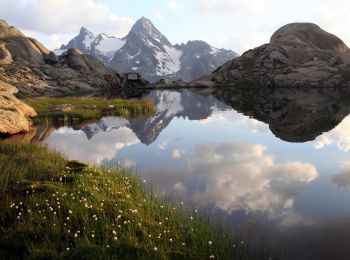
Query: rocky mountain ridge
[
  {"x": 101, "y": 46},
  {"x": 147, "y": 51}
]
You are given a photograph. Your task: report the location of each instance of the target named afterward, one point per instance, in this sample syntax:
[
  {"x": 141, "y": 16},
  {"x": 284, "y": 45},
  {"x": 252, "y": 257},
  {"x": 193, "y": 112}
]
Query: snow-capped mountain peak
[
  {"x": 147, "y": 51},
  {"x": 145, "y": 29},
  {"x": 102, "y": 46},
  {"x": 84, "y": 31}
]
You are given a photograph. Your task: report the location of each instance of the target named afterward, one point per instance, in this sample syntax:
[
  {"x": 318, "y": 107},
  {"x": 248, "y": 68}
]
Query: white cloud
[
  {"x": 52, "y": 41},
  {"x": 177, "y": 153},
  {"x": 342, "y": 179},
  {"x": 249, "y": 24},
  {"x": 236, "y": 120},
  {"x": 103, "y": 146},
  {"x": 229, "y": 6},
  {"x": 239, "y": 177},
  {"x": 332, "y": 19},
  {"x": 321, "y": 141},
  {"x": 174, "y": 5},
  {"x": 159, "y": 16},
  {"x": 339, "y": 135},
  {"x": 243, "y": 40},
  {"x": 62, "y": 17},
  {"x": 243, "y": 177},
  {"x": 163, "y": 144}
]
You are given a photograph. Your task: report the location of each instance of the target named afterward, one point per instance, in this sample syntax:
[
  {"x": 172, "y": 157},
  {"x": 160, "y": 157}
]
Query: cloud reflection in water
[
  {"x": 235, "y": 176},
  {"x": 103, "y": 146}
]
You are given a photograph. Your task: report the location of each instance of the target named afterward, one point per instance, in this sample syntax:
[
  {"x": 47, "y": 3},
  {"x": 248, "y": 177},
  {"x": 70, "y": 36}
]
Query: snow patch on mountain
[
  {"x": 89, "y": 38},
  {"x": 59, "y": 52},
  {"x": 92, "y": 44},
  {"x": 169, "y": 61},
  {"x": 110, "y": 45},
  {"x": 214, "y": 50},
  {"x": 131, "y": 57}
]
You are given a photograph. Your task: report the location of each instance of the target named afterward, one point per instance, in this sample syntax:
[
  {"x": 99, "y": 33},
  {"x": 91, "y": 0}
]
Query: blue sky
[{"x": 234, "y": 24}]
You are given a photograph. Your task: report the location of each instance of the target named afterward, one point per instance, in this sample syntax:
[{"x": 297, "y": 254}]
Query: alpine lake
[{"x": 272, "y": 165}]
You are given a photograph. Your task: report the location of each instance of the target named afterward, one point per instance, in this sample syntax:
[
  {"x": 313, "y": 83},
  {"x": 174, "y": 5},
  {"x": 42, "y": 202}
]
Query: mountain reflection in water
[{"x": 220, "y": 153}]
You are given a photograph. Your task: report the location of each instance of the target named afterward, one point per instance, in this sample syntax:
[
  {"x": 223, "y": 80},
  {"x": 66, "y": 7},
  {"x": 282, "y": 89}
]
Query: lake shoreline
[{"x": 72, "y": 196}]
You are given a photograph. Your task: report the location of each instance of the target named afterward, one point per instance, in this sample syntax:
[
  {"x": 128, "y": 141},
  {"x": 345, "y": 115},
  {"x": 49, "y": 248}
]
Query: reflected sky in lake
[{"x": 199, "y": 149}]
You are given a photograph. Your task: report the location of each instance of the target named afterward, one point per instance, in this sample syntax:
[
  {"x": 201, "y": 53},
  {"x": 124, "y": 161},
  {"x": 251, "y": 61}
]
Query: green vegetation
[
  {"x": 71, "y": 110},
  {"x": 52, "y": 208}
]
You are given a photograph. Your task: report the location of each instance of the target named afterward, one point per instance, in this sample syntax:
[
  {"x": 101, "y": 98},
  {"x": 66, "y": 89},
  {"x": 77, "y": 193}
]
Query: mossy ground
[
  {"x": 70, "y": 110},
  {"x": 52, "y": 208}
]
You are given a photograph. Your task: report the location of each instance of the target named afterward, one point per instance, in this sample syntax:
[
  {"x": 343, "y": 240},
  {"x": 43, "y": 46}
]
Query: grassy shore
[
  {"x": 70, "y": 110},
  {"x": 52, "y": 208}
]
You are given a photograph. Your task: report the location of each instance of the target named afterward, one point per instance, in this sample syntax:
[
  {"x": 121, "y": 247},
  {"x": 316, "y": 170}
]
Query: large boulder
[
  {"x": 14, "y": 113},
  {"x": 298, "y": 55},
  {"x": 21, "y": 48}
]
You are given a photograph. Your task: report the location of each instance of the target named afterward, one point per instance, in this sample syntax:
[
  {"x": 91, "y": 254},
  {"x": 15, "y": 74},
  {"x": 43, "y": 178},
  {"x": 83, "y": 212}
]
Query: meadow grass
[
  {"x": 71, "y": 110},
  {"x": 52, "y": 208}
]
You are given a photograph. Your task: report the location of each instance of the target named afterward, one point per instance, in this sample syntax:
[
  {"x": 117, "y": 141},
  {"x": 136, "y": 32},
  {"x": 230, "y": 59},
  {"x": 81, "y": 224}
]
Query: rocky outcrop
[
  {"x": 20, "y": 48},
  {"x": 14, "y": 113},
  {"x": 35, "y": 70},
  {"x": 298, "y": 55}
]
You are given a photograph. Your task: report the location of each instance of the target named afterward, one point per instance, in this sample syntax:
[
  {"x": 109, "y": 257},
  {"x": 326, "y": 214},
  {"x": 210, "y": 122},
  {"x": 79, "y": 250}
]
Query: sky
[{"x": 238, "y": 25}]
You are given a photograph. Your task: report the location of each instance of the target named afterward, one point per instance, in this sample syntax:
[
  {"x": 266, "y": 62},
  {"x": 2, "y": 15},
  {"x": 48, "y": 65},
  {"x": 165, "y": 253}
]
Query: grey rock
[
  {"x": 14, "y": 113},
  {"x": 298, "y": 55}
]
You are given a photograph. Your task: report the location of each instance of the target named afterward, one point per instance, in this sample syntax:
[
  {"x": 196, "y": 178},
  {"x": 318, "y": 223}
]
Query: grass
[
  {"x": 52, "y": 208},
  {"x": 71, "y": 110}
]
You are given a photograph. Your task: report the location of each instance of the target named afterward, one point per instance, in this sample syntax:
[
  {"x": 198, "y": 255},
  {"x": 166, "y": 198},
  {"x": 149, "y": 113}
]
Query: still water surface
[{"x": 284, "y": 179}]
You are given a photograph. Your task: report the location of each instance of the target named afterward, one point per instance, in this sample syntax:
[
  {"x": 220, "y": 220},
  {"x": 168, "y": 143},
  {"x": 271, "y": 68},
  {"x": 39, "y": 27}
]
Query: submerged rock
[
  {"x": 298, "y": 55},
  {"x": 14, "y": 113}
]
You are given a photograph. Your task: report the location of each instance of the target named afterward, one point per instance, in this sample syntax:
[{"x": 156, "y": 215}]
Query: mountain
[
  {"x": 298, "y": 55},
  {"x": 147, "y": 51},
  {"x": 100, "y": 46}
]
